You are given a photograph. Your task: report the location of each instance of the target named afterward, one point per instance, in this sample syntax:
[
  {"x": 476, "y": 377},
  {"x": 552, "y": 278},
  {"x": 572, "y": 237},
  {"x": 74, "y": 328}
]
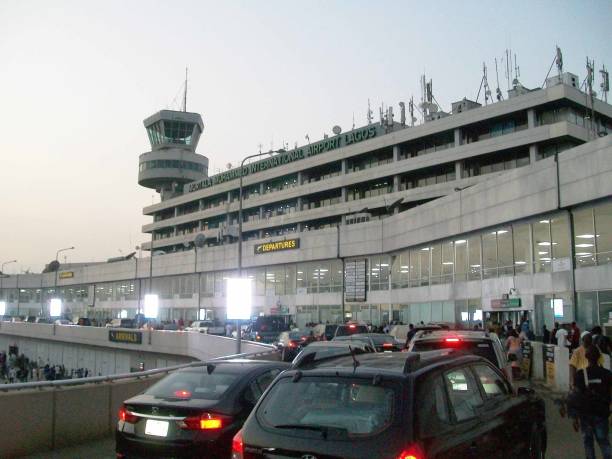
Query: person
[
  {"x": 595, "y": 383},
  {"x": 411, "y": 332},
  {"x": 574, "y": 336},
  {"x": 553, "y": 334},
  {"x": 578, "y": 361},
  {"x": 600, "y": 340},
  {"x": 561, "y": 337},
  {"x": 545, "y": 334}
]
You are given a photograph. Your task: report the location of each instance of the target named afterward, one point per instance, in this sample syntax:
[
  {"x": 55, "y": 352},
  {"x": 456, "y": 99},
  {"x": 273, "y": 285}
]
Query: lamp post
[
  {"x": 2, "y": 275},
  {"x": 256, "y": 155},
  {"x": 55, "y": 292}
]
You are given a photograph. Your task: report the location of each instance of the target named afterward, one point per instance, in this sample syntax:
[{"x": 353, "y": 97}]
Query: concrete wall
[{"x": 40, "y": 420}]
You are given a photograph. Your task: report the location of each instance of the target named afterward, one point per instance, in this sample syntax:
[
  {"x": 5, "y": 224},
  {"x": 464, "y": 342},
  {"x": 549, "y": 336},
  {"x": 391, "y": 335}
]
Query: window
[
  {"x": 584, "y": 237},
  {"x": 542, "y": 245},
  {"x": 461, "y": 259},
  {"x": 603, "y": 226},
  {"x": 504, "y": 252},
  {"x": 560, "y": 237},
  {"x": 522, "y": 248},
  {"x": 464, "y": 395},
  {"x": 489, "y": 254},
  {"x": 492, "y": 383},
  {"x": 474, "y": 258}
]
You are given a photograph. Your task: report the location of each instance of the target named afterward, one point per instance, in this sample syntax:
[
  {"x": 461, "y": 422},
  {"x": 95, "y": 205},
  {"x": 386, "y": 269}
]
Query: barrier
[{"x": 41, "y": 416}]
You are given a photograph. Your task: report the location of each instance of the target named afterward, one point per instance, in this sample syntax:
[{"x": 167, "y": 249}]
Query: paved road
[{"x": 563, "y": 442}]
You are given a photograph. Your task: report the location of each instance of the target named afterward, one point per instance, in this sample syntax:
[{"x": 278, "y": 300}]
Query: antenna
[
  {"x": 402, "y": 113},
  {"x": 411, "y": 110},
  {"x": 185, "y": 94},
  {"x": 497, "y": 91},
  {"x": 590, "y": 66},
  {"x": 369, "y": 113},
  {"x": 484, "y": 83},
  {"x": 559, "y": 61},
  {"x": 353, "y": 120},
  {"x": 605, "y": 83}
]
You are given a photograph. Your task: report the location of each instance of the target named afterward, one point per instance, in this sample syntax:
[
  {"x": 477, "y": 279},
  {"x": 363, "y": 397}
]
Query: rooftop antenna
[
  {"x": 559, "y": 61},
  {"x": 507, "y": 74},
  {"x": 369, "y": 113},
  {"x": 498, "y": 91},
  {"x": 427, "y": 99},
  {"x": 605, "y": 83},
  {"x": 590, "y": 66},
  {"x": 382, "y": 116},
  {"x": 517, "y": 71},
  {"x": 185, "y": 93},
  {"x": 307, "y": 137},
  {"x": 484, "y": 83},
  {"x": 411, "y": 110},
  {"x": 260, "y": 147},
  {"x": 402, "y": 113},
  {"x": 354, "y": 120}
]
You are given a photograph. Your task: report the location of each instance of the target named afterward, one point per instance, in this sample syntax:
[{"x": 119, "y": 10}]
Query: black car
[
  {"x": 193, "y": 412},
  {"x": 266, "y": 329},
  {"x": 380, "y": 341},
  {"x": 436, "y": 405},
  {"x": 290, "y": 343},
  {"x": 324, "y": 350},
  {"x": 350, "y": 329}
]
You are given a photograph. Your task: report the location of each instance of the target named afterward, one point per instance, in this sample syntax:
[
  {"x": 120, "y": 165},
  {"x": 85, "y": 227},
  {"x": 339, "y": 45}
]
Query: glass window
[
  {"x": 436, "y": 263},
  {"x": 424, "y": 265},
  {"x": 522, "y": 248},
  {"x": 504, "y": 252},
  {"x": 193, "y": 384},
  {"x": 447, "y": 262},
  {"x": 587, "y": 311},
  {"x": 542, "y": 245},
  {"x": 461, "y": 259},
  {"x": 605, "y": 306},
  {"x": 474, "y": 257},
  {"x": 464, "y": 395},
  {"x": 560, "y": 236},
  {"x": 603, "y": 225},
  {"x": 584, "y": 237},
  {"x": 491, "y": 382},
  {"x": 324, "y": 276},
  {"x": 489, "y": 254},
  {"x": 290, "y": 279},
  {"x": 415, "y": 275}
]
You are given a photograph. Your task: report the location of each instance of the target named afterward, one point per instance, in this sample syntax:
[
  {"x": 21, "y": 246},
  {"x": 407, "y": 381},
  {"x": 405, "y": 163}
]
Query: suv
[
  {"x": 267, "y": 328},
  {"x": 480, "y": 343},
  {"x": 350, "y": 329},
  {"x": 438, "y": 405}
]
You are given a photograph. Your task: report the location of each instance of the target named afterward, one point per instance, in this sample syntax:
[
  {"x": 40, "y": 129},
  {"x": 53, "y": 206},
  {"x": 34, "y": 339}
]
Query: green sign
[
  {"x": 121, "y": 336},
  {"x": 331, "y": 143},
  {"x": 506, "y": 303}
]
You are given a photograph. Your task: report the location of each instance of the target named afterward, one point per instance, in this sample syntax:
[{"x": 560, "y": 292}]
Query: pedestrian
[
  {"x": 513, "y": 346},
  {"x": 578, "y": 361},
  {"x": 574, "y": 336},
  {"x": 600, "y": 340},
  {"x": 411, "y": 332},
  {"x": 594, "y": 384},
  {"x": 561, "y": 337},
  {"x": 545, "y": 334},
  {"x": 553, "y": 334}
]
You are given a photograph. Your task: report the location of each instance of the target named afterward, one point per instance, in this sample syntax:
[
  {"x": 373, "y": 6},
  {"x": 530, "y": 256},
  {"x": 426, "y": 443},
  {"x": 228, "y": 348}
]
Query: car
[
  {"x": 325, "y": 332},
  {"x": 290, "y": 343},
  {"x": 350, "y": 329},
  {"x": 324, "y": 350},
  {"x": 380, "y": 341},
  {"x": 480, "y": 343},
  {"x": 193, "y": 412},
  {"x": 206, "y": 326},
  {"x": 434, "y": 405},
  {"x": 121, "y": 323},
  {"x": 266, "y": 329}
]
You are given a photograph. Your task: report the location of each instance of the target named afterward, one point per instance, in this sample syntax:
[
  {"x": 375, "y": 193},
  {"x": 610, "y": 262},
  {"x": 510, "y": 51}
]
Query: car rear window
[
  {"x": 193, "y": 384},
  {"x": 310, "y": 355},
  {"x": 350, "y": 407},
  {"x": 351, "y": 330},
  {"x": 480, "y": 348}
]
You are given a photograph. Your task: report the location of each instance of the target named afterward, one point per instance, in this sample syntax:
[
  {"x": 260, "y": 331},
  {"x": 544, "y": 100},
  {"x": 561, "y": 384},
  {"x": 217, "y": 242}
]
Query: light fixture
[
  {"x": 544, "y": 221},
  {"x": 460, "y": 241},
  {"x": 2, "y": 308},
  {"x": 447, "y": 263},
  {"x": 425, "y": 249},
  {"x": 584, "y": 245},
  {"x": 520, "y": 262},
  {"x": 239, "y": 298},
  {"x": 151, "y": 306},
  {"x": 586, "y": 236},
  {"x": 542, "y": 253},
  {"x": 55, "y": 307}
]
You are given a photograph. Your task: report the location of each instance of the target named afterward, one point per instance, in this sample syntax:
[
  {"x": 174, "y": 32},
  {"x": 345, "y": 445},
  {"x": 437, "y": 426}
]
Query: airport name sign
[{"x": 331, "y": 143}]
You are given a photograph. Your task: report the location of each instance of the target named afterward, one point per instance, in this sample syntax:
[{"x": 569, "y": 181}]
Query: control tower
[{"x": 172, "y": 161}]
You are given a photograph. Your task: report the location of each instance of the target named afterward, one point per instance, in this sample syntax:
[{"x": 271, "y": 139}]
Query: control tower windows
[{"x": 171, "y": 132}]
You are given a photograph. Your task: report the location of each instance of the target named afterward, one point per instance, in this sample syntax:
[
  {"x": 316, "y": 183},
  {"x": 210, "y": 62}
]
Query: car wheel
[{"x": 536, "y": 445}]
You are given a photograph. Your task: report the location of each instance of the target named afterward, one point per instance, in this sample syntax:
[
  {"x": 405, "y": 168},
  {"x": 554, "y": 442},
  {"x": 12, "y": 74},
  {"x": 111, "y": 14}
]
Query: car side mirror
[{"x": 525, "y": 391}]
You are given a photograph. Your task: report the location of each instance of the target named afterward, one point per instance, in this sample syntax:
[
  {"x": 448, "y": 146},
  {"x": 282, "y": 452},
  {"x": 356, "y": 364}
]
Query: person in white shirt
[{"x": 561, "y": 337}]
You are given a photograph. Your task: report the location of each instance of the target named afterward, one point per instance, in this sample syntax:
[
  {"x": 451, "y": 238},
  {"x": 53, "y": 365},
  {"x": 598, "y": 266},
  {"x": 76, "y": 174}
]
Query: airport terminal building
[{"x": 488, "y": 211}]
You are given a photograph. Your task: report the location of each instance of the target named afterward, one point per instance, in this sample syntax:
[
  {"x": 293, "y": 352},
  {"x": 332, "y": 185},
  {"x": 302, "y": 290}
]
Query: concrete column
[
  {"x": 396, "y": 152},
  {"x": 176, "y": 214},
  {"x": 531, "y": 118},
  {"x": 457, "y": 137},
  {"x": 533, "y": 153},
  {"x": 343, "y": 162},
  {"x": 299, "y": 203},
  {"x": 229, "y": 197},
  {"x": 261, "y": 212},
  {"x": 458, "y": 170},
  {"x": 200, "y": 204},
  {"x": 300, "y": 178},
  {"x": 396, "y": 183},
  {"x": 343, "y": 196},
  {"x": 261, "y": 188}
]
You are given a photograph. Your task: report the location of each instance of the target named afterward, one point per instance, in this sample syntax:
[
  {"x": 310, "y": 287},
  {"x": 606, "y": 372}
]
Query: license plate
[{"x": 156, "y": 428}]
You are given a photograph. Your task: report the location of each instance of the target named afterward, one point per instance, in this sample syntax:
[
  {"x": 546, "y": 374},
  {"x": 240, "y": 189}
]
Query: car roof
[
  {"x": 236, "y": 365},
  {"x": 400, "y": 364},
  {"x": 461, "y": 334}
]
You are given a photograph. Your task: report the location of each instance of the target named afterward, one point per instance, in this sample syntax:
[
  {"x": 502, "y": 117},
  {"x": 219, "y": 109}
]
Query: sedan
[
  {"x": 193, "y": 412},
  {"x": 291, "y": 343}
]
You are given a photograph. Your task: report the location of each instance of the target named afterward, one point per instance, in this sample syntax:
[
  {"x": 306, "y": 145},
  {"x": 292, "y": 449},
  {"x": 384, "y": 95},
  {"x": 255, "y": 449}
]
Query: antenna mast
[
  {"x": 605, "y": 83},
  {"x": 185, "y": 93},
  {"x": 369, "y": 113},
  {"x": 497, "y": 91},
  {"x": 590, "y": 66}
]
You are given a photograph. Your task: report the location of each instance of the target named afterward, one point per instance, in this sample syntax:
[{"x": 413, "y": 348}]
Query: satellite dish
[
  {"x": 336, "y": 129},
  {"x": 228, "y": 165},
  {"x": 199, "y": 240},
  {"x": 54, "y": 266}
]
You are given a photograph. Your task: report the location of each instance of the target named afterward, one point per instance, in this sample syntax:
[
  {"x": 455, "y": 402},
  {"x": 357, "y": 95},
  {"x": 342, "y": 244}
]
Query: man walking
[{"x": 595, "y": 383}]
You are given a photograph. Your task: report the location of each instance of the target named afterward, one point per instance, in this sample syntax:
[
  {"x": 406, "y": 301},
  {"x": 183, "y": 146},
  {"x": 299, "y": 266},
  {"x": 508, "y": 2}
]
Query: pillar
[
  {"x": 531, "y": 118},
  {"x": 457, "y": 133},
  {"x": 458, "y": 170},
  {"x": 533, "y": 153}
]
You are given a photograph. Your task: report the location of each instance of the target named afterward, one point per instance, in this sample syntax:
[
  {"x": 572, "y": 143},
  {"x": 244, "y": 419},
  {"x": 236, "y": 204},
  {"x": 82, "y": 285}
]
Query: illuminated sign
[
  {"x": 120, "y": 336},
  {"x": 269, "y": 247},
  {"x": 66, "y": 275},
  {"x": 331, "y": 143}
]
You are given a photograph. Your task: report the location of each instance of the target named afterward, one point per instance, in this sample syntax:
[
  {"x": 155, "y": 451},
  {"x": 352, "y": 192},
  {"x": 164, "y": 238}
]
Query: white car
[{"x": 206, "y": 326}]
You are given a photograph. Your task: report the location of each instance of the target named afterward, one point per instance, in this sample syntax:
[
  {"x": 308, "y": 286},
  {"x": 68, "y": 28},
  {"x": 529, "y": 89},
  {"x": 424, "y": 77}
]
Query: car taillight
[
  {"x": 452, "y": 340},
  {"x": 351, "y": 326},
  {"x": 412, "y": 452},
  {"x": 237, "y": 446},
  {"x": 387, "y": 345},
  {"x": 125, "y": 416},
  {"x": 205, "y": 421}
]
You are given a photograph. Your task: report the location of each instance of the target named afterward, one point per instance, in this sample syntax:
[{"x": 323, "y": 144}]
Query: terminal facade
[{"x": 485, "y": 213}]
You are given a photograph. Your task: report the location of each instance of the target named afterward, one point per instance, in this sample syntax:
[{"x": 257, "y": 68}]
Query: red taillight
[
  {"x": 452, "y": 340},
  {"x": 413, "y": 452},
  {"x": 387, "y": 345},
  {"x": 351, "y": 326},
  {"x": 237, "y": 446},
  {"x": 182, "y": 394},
  {"x": 205, "y": 421},
  {"x": 125, "y": 416}
]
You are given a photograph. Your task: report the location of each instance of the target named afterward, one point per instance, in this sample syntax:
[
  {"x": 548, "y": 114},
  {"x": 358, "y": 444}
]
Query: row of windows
[
  {"x": 173, "y": 132},
  {"x": 174, "y": 164}
]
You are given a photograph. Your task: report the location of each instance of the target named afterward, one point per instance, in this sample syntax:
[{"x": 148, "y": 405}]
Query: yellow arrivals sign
[{"x": 66, "y": 275}]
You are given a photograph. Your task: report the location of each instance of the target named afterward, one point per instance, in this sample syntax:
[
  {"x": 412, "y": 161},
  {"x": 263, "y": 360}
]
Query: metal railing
[{"x": 135, "y": 375}]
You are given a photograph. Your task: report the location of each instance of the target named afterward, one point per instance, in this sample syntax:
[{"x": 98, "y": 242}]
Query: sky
[{"x": 78, "y": 77}]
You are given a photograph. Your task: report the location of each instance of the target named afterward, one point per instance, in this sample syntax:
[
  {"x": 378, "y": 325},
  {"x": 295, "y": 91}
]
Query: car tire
[{"x": 535, "y": 449}]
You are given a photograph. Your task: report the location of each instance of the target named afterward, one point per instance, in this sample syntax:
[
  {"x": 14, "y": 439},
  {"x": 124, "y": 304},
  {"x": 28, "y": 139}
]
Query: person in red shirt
[{"x": 575, "y": 336}]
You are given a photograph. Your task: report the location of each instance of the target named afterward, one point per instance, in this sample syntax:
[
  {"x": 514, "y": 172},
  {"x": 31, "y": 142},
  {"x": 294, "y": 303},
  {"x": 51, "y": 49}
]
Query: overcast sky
[{"x": 78, "y": 77}]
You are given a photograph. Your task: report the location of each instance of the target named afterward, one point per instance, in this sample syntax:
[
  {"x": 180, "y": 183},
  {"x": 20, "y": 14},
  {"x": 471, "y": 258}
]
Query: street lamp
[
  {"x": 2, "y": 275},
  {"x": 57, "y": 265},
  {"x": 256, "y": 155}
]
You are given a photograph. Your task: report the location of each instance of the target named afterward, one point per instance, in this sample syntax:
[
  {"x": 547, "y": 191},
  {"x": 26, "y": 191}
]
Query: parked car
[
  {"x": 480, "y": 343},
  {"x": 350, "y": 329},
  {"x": 266, "y": 329},
  {"x": 193, "y": 412},
  {"x": 206, "y": 326},
  {"x": 290, "y": 343},
  {"x": 325, "y": 350},
  {"x": 325, "y": 332},
  {"x": 380, "y": 341},
  {"x": 395, "y": 405}
]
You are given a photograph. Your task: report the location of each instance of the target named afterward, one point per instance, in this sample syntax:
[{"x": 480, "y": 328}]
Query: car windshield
[
  {"x": 480, "y": 348},
  {"x": 194, "y": 384},
  {"x": 351, "y": 330},
  {"x": 350, "y": 406},
  {"x": 311, "y": 354},
  {"x": 381, "y": 339},
  {"x": 296, "y": 335},
  {"x": 267, "y": 324}
]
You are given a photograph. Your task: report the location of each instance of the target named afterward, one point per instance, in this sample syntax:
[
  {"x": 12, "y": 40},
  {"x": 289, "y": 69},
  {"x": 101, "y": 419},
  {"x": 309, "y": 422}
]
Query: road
[{"x": 563, "y": 442}]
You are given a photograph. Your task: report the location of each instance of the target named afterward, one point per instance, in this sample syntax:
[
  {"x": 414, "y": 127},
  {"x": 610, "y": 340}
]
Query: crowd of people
[{"x": 16, "y": 368}]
